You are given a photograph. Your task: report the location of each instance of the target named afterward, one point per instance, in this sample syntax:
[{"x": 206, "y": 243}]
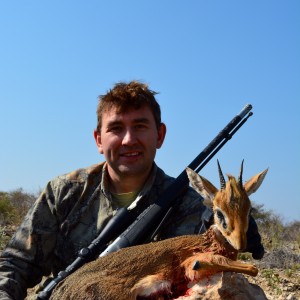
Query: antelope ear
[
  {"x": 205, "y": 188},
  {"x": 252, "y": 185}
]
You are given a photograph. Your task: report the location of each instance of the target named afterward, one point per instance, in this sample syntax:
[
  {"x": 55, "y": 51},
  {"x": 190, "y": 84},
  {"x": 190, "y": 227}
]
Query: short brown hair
[{"x": 124, "y": 96}]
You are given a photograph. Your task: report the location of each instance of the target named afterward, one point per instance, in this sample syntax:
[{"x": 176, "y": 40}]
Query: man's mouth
[{"x": 131, "y": 154}]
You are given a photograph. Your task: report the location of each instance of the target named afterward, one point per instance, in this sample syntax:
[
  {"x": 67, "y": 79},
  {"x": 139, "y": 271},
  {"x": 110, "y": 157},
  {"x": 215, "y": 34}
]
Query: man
[{"x": 74, "y": 208}]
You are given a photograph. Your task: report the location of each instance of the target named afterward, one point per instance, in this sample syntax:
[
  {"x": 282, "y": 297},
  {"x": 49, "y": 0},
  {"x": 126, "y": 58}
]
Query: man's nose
[{"x": 129, "y": 137}]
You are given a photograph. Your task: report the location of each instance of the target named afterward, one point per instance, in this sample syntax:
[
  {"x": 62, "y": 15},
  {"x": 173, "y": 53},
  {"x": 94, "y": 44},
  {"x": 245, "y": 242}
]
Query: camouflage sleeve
[
  {"x": 185, "y": 217},
  {"x": 5, "y": 296},
  {"x": 26, "y": 258}
]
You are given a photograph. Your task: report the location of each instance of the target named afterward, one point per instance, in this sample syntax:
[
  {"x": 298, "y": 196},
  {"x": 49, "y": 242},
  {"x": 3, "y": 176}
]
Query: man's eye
[
  {"x": 140, "y": 126},
  {"x": 115, "y": 129}
]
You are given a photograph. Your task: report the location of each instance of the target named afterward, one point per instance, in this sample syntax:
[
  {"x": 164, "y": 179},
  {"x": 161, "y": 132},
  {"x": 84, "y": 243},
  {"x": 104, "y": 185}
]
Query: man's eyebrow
[
  {"x": 141, "y": 120},
  {"x": 113, "y": 123},
  {"x": 136, "y": 120}
]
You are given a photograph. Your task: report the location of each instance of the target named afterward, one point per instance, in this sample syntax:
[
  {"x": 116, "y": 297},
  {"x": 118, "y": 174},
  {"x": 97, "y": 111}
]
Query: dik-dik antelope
[{"x": 164, "y": 269}]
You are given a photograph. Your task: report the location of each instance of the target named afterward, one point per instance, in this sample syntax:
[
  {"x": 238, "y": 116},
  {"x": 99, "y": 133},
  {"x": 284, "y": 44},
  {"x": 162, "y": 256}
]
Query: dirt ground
[{"x": 278, "y": 284}]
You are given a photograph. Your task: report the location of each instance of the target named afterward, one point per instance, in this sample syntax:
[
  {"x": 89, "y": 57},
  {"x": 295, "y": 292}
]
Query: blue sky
[{"x": 208, "y": 59}]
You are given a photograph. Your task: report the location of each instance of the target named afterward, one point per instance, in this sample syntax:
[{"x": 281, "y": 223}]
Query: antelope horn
[
  {"x": 222, "y": 180},
  {"x": 240, "y": 179}
]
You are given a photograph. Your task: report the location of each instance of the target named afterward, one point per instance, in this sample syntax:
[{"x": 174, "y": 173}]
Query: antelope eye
[{"x": 221, "y": 218}]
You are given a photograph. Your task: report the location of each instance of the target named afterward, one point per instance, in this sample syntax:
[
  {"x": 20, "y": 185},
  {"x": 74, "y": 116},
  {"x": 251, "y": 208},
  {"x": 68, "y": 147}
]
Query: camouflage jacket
[{"x": 70, "y": 213}]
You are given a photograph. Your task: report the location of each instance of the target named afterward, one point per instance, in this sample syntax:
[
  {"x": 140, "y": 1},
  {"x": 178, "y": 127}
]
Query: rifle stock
[{"x": 142, "y": 226}]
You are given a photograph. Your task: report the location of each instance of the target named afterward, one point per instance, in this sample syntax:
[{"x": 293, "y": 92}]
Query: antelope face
[
  {"x": 231, "y": 213},
  {"x": 231, "y": 203}
]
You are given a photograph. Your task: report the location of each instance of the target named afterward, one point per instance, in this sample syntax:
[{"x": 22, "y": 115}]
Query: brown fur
[{"x": 116, "y": 275}]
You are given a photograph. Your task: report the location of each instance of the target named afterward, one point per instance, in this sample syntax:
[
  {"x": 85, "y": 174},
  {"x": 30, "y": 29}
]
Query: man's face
[{"x": 129, "y": 141}]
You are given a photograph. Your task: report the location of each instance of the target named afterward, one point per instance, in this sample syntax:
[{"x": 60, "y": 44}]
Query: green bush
[
  {"x": 270, "y": 225},
  {"x": 8, "y": 213},
  {"x": 4, "y": 238},
  {"x": 14, "y": 205}
]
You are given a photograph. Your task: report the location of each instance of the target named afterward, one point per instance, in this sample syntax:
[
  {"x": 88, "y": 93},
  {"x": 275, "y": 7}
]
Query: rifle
[{"x": 141, "y": 226}]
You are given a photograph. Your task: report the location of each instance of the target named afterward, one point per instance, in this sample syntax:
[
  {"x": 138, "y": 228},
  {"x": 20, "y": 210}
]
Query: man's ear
[
  {"x": 97, "y": 137},
  {"x": 162, "y": 130}
]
